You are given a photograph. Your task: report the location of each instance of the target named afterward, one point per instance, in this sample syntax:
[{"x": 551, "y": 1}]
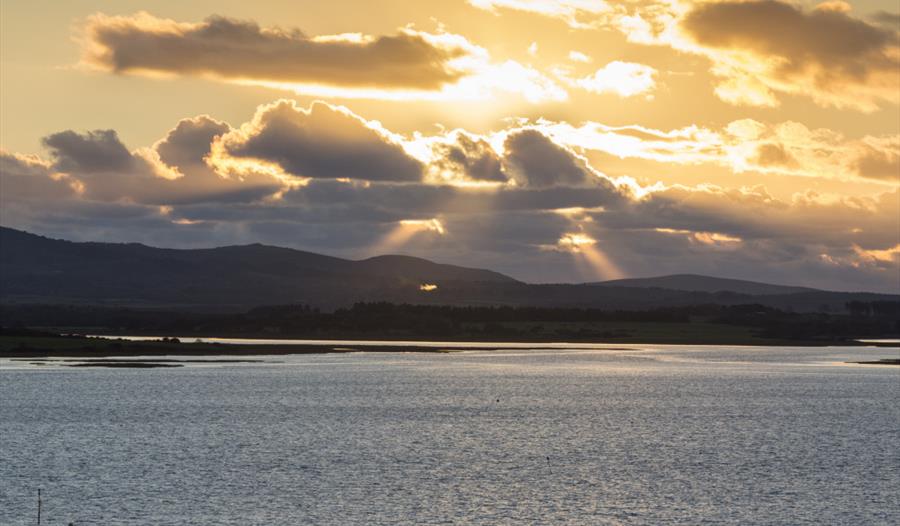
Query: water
[
  {"x": 378, "y": 343},
  {"x": 650, "y": 435}
]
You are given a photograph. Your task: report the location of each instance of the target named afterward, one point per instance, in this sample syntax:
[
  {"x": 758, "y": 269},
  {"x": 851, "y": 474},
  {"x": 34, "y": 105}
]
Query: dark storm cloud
[
  {"x": 90, "y": 152},
  {"x": 398, "y": 201},
  {"x": 186, "y": 146},
  {"x": 106, "y": 170},
  {"x": 559, "y": 197},
  {"x": 411, "y": 201},
  {"x": 471, "y": 156},
  {"x": 25, "y": 178},
  {"x": 201, "y": 184},
  {"x": 542, "y": 163},
  {"x": 101, "y": 162},
  {"x": 416, "y": 201},
  {"x": 322, "y": 142},
  {"x": 829, "y": 41},
  {"x": 753, "y": 214},
  {"x": 238, "y": 49}
]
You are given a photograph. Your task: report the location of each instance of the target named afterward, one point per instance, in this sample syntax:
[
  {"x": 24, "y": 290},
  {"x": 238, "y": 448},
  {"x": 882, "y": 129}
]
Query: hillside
[
  {"x": 39, "y": 270},
  {"x": 36, "y": 268},
  {"x": 698, "y": 283}
]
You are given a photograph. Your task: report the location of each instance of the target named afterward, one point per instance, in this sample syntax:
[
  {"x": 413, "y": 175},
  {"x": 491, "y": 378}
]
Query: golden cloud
[
  {"x": 758, "y": 49},
  {"x": 364, "y": 187},
  {"x": 242, "y": 50},
  {"x": 408, "y": 65},
  {"x": 763, "y": 47}
]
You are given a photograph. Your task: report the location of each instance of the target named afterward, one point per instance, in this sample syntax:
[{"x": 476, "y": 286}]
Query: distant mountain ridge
[
  {"x": 23, "y": 247},
  {"x": 698, "y": 283},
  {"x": 36, "y": 269},
  {"x": 39, "y": 267}
]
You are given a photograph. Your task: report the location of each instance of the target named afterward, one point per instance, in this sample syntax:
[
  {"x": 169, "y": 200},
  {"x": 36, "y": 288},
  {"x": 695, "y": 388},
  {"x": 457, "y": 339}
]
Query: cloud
[
  {"x": 581, "y": 14},
  {"x": 186, "y": 150},
  {"x": 186, "y": 146},
  {"x": 91, "y": 152},
  {"x": 767, "y": 46},
  {"x": 539, "y": 162},
  {"x": 25, "y": 178},
  {"x": 625, "y": 79},
  {"x": 787, "y": 148},
  {"x": 740, "y": 228},
  {"x": 773, "y": 154},
  {"x": 408, "y": 65},
  {"x": 887, "y": 19},
  {"x": 758, "y": 49},
  {"x": 102, "y": 167},
  {"x": 823, "y": 38},
  {"x": 578, "y": 56},
  {"x": 325, "y": 179},
  {"x": 753, "y": 214},
  {"x": 323, "y": 141},
  {"x": 879, "y": 158},
  {"x": 238, "y": 49},
  {"x": 467, "y": 155}
]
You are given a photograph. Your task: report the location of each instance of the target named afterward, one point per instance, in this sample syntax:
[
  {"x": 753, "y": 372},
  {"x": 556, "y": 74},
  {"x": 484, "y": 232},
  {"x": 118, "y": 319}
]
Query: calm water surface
[{"x": 648, "y": 435}]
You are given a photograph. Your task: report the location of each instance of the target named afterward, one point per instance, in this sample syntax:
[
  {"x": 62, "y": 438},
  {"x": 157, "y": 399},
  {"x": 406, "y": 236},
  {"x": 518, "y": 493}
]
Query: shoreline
[{"x": 25, "y": 347}]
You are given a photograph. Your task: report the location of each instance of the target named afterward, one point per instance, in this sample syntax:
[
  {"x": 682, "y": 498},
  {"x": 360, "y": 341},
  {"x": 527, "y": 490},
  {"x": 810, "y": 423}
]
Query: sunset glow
[
  {"x": 698, "y": 130},
  {"x": 468, "y": 262}
]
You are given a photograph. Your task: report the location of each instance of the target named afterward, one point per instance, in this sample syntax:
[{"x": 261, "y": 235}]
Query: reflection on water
[
  {"x": 363, "y": 343},
  {"x": 654, "y": 435}
]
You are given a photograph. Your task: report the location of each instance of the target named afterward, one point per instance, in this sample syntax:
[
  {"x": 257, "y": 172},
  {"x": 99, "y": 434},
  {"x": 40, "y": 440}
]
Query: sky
[{"x": 566, "y": 141}]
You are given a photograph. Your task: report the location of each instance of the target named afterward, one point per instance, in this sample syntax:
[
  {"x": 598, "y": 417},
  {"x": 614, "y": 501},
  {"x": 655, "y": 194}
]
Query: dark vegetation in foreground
[
  {"x": 701, "y": 324},
  {"x": 884, "y": 361},
  {"x": 123, "y": 364}
]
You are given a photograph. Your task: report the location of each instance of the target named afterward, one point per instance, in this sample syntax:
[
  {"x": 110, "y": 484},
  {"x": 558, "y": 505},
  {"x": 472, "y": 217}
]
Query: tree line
[{"x": 389, "y": 320}]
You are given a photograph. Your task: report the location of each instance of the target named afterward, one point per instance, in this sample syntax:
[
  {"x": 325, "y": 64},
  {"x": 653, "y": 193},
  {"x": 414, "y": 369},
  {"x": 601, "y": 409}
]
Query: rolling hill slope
[
  {"x": 698, "y": 283},
  {"x": 44, "y": 269},
  {"x": 39, "y": 270}
]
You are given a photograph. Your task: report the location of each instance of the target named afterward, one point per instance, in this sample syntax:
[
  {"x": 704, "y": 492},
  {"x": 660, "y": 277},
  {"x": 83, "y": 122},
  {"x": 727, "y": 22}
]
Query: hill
[
  {"x": 37, "y": 270},
  {"x": 698, "y": 283}
]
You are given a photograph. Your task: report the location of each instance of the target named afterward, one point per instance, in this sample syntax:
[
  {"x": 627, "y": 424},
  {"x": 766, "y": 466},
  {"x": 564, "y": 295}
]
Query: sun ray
[
  {"x": 404, "y": 231},
  {"x": 588, "y": 255}
]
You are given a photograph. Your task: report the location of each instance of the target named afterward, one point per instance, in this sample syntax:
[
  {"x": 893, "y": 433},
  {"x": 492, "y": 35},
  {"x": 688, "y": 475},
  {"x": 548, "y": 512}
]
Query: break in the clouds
[
  {"x": 625, "y": 79},
  {"x": 521, "y": 199},
  {"x": 579, "y": 14},
  {"x": 760, "y": 50}
]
